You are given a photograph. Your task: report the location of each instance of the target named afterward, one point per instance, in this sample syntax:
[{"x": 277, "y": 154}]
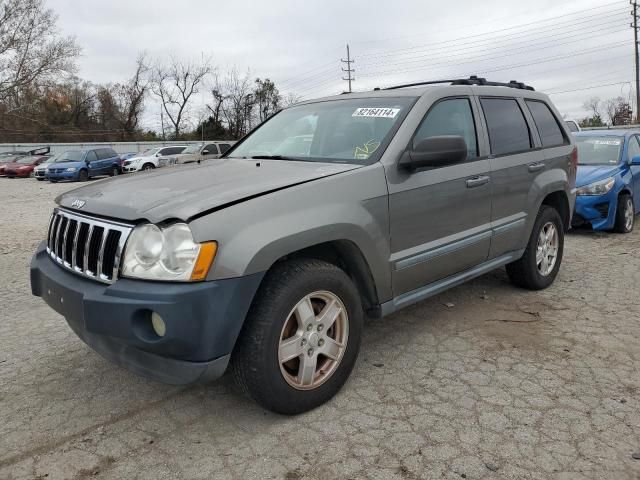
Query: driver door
[
  {"x": 92, "y": 163},
  {"x": 634, "y": 151},
  {"x": 440, "y": 218}
]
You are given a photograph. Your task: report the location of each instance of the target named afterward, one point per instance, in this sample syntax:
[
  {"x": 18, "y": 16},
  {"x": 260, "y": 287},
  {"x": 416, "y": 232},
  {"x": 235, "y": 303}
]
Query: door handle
[
  {"x": 477, "y": 181},
  {"x": 536, "y": 167}
]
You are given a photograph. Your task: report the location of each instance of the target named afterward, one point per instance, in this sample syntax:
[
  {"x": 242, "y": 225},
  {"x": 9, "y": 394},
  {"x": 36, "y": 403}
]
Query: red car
[
  {"x": 24, "y": 166},
  {"x": 7, "y": 160}
]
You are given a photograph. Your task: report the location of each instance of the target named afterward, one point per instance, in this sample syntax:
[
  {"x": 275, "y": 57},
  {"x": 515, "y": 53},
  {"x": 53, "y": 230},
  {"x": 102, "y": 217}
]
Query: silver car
[{"x": 267, "y": 259}]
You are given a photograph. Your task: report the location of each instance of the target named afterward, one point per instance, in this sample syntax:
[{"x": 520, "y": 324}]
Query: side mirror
[
  {"x": 205, "y": 152},
  {"x": 158, "y": 154},
  {"x": 635, "y": 160},
  {"x": 435, "y": 152}
]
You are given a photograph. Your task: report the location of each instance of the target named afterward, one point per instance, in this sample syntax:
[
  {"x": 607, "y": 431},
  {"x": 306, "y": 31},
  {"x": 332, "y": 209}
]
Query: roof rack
[{"x": 472, "y": 80}]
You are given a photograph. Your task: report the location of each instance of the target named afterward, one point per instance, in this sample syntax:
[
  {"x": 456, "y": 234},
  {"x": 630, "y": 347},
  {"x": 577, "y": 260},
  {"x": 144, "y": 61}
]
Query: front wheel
[
  {"x": 540, "y": 263},
  {"x": 83, "y": 176},
  {"x": 301, "y": 337},
  {"x": 148, "y": 166},
  {"x": 625, "y": 214}
]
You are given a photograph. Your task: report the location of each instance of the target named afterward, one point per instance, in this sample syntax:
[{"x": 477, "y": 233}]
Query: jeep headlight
[
  {"x": 169, "y": 253},
  {"x": 597, "y": 188},
  {"x": 71, "y": 169}
]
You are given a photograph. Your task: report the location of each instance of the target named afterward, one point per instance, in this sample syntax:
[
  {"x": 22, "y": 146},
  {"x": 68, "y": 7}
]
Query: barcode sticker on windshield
[
  {"x": 607, "y": 142},
  {"x": 376, "y": 112}
]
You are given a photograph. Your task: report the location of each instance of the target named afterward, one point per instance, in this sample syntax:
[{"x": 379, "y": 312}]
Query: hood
[
  {"x": 185, "y": 191},
  {"x": 592, "y": 173},
  {"x": 67, "y": 165}
]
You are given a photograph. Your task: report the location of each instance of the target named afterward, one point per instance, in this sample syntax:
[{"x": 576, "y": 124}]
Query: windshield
[
  {"x": 192, "y": 148},
  {"x": 71, "y": 156},
  {"x": 339, "y": 131},
  {"x": 603, "y": 150},
  {"x": 27, "y": 160},
  {"x": 149, "y": 152}
]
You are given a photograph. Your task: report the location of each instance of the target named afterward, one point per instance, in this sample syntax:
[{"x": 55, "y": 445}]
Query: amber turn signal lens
[{"x": 205, "y": 259}]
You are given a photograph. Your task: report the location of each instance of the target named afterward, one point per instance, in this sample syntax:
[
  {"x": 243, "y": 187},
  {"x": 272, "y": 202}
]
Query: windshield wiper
[{"x": 273, "y": 157}]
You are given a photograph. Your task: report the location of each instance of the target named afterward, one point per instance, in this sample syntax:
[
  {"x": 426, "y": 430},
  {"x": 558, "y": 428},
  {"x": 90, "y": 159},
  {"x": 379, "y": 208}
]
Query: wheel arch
[
  {"x": 558, "y": 199},
  {"x": 347, "y": 256}
]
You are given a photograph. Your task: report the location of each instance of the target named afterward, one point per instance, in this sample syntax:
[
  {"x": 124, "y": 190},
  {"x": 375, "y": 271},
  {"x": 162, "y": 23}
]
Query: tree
[
  {"x": 129, "y": 98},
  {"x": 267, "y": 98},
  {"x": 291, "y": 99},
  {"x": 618, "y": 111},
  {"x": 30, "y": 48},
  {"x": 175, "y": 83},
  {"x": 235, "y": 100}
]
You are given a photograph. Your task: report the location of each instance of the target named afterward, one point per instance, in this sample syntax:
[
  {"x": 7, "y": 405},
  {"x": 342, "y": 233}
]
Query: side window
[
  {"x": 165, "y": 151},
  {"x": 450, "y": 117},
  {"x": 91, "y": 156},
  {"x": 110, "y": 152},
  {"x": 100, "y": 153},
  {"x": 546, "y": 123},
  {"x": 634, "y": 147},
  {"x": 174, "y": 150},
  {"x": 572, "y": 126},
  {"x": 224, "y": 147},
  {"x": 211, "y": 148},
  {"x": 508, "y": 130}
]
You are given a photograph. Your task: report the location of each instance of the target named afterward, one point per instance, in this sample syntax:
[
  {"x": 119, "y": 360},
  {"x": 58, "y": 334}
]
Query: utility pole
[
  {"x": 634, "y": 25},
  {"x": 348, "y": 70},
  {"x": 162, "y": 121}
]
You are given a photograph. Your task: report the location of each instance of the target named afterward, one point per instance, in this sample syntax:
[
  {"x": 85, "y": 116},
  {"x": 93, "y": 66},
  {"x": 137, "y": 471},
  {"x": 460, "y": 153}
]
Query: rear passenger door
[
  {"x": 634, "y": 151},
  {"x": 440, "y": 217},
  {"x": 514, "y": 165}
]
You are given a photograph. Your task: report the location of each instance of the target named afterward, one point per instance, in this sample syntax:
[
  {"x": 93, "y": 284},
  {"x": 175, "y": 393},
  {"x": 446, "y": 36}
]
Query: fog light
[{"x": 158, "y": 324}]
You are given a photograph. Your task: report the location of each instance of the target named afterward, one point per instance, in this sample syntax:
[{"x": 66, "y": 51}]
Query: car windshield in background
[
  {"x": 603, "y": 150},
  {"x": 27, "y": 160},
  {"x": 71, "y": 156},
  {"x": 338, "y": 131},
  {"x": 192, "y": 148}
]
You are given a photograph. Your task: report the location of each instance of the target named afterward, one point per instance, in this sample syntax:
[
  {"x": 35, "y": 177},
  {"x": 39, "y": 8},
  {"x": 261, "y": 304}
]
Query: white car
[
  {"x": 40, "y": 172},
  {"x": 152, "y": 158}
]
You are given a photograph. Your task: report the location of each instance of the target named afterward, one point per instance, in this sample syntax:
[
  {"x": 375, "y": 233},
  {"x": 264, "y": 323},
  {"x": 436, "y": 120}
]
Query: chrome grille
[{"x": 87, "y": 246}]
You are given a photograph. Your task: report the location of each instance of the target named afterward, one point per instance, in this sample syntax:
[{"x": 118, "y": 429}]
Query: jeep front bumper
[{"x": 203, "y": 320}]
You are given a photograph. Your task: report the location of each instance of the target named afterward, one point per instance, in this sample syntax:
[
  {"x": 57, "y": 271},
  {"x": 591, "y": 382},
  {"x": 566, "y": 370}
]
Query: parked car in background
[
  {"x": 123, "y": 157},
  {"x": 24, "y": 166},
  {"x": 203, "y": 151},
  {"x": 40, "y": 173},
  {"x": 608, "y": 181},
  {"x": 573, "y": 126},
  {"x": 7, "y": 160},
  {"x": 246, "y": 262},
  {"x": 152, "y": 158},
  {"x": 80, "y": 165}
]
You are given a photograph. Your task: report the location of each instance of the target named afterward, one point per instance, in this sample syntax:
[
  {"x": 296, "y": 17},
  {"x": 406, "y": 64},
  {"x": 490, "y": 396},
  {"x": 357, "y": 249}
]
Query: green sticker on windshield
[{"x": 365, "y": 151}]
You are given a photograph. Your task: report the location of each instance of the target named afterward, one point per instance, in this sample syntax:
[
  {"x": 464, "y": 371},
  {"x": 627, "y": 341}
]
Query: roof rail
[{"x": 472, "y": 80}]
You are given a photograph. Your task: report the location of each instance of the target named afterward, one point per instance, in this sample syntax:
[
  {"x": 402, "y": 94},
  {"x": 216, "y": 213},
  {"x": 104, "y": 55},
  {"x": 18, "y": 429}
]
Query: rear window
[
  {"x": 508, "y": 130},
  {"x": 546, "y": 123}
]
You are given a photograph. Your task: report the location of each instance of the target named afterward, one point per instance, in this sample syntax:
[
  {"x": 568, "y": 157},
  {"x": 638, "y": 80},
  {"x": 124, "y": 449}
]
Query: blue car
[
  {"x": 81, "y": 165},
  {"x": 608, "y": 179}
]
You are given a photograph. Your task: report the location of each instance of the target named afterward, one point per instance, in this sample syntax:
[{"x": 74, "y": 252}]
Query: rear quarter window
[{"x": 548, "y": 127}]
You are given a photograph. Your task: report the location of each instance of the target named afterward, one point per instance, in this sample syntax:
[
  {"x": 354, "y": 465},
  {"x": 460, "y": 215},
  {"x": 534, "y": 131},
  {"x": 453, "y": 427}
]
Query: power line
[{"x": 591, "y": 87}]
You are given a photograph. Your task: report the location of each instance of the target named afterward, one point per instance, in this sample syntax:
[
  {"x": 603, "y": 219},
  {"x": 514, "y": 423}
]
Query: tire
[
  {"x": 528, "y": 272},
  {"x": 148, "y": 166},
  {"x": 625, "y": 214},
  {"x": 115, "y": 171},
  {"x": 256, "y": 358},
  {"x": 39, "y": 179},
  {"x": 83, "y": 175}
]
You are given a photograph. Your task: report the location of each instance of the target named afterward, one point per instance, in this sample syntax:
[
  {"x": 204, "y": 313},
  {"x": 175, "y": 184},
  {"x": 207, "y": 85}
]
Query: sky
[{"x": 572, "y": 50}]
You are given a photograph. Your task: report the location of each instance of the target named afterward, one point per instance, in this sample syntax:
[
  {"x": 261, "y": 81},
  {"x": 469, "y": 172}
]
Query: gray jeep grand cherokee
[{"x": 268, "y": 258}]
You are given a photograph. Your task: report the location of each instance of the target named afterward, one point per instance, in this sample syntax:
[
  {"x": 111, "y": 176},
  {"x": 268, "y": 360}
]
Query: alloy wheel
[
  {"x": 628, "y": 214},
  {"x": 313, "y": 340},
  {"x": 547, "y": 249}
]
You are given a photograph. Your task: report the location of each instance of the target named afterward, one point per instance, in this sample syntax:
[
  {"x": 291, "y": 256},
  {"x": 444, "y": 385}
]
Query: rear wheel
[
  {"x": 301, "y": 337},
  {"x": 625, "y": 214},
  {"x": 148, "y": 166},
  {"x": 540, "y": 263},
  {"x": 83, "y": 176}
]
